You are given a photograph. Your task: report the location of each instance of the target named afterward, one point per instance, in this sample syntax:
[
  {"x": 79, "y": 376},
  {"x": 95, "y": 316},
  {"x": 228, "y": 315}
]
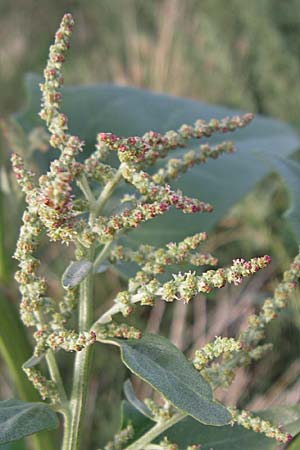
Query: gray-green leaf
[
  {"x": 19, "y": 419},
  {"x": 156, "y": 360},
  {"x": 33, "y": 361},
  {"x": 131, "y": 397},
  {"x": 75, "y": 273}
]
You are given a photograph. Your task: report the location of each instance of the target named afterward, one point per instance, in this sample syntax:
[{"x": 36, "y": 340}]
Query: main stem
[
  {"x": 83, "y": 358},
  {"x": 81, "y": 366}
]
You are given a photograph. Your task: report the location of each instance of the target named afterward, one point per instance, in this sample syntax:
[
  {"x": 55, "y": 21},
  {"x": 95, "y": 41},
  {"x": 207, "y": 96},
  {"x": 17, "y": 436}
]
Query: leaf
[
  {"x": 33, "y": 361},
  {"x": 19, "y": 419},
  {"x": 101, "y": 268},
  {"x": 289, "y": 171},
  {"x": 75, "y": 273},
  {"x": 156, "y": 360},
  {"x": 16, "y": 445},
  {"x": 189, "y": 431},
  {"x": 128, "y": 111},
  {"x": 294, "y": 444},
  {"x": 131, "y": 397}
]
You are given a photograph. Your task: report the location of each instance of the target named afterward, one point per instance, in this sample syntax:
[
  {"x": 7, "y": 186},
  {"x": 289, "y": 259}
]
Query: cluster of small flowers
[
  {"x": 70, "y": 341},
  {"x": 150, "y": 147},
  {"x": 154, "y": 261},
  {"x": 259, "y": 425},
  {"x": 212, "y": 350},
  {"x": 32, "y": 286},
  {"x": 272, "y": 306},
  {"x": 105, "y": 229},
  {"x": 68, "y": 303},
  {"x": 242, "y": 268},
  {"x": 142, "y": 289},
  {"x": 46, "y": 388},
  {"x": 185, "y": 286},
  {"x": 120, "y": 439},
  {"x": 163, "y": 194},
  {"x": 24, "y": 177},
  {"x": 157, "y": 200},
  {"x": 175, "y": 166},
  {"x": 165, "y": 444},
  {"x": 118, "y": 330},
  {"x": 97, "y": 170},
  {"x": 55, "y": 201},
  {"x": 53, "y": 76},
  {"x": 160, "y": 413}
]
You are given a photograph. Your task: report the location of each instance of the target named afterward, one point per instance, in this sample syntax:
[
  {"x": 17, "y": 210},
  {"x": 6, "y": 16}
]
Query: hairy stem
[
  {"x": 102, "y": 255},
  {"x": 55, "y": 376},
  {"x": 83, "y": 358},
  {"x": 159, "y": 428},
  {"x": 81, "y": 366},
  {"x": 107, "y": 191}
]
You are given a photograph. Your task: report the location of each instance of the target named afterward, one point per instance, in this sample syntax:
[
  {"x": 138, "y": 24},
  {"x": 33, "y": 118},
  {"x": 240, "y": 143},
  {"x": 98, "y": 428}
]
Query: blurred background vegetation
[{"x": 240, "y": 54}]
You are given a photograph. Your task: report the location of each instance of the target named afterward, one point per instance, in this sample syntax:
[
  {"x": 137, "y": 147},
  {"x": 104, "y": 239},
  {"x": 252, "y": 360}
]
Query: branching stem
[{"x": 158, "y": 429}]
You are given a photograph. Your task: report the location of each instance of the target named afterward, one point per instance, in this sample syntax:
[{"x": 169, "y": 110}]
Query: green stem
[
  {"x": 158, "y": 429},
  {"x": 83, "y": 184},
  {"x": 56, "y": 377},
  {"x": 107, "y": 190},
  {"x": 81, "y": 366},
  {"x": 102, "y": 255},
  {"x": 83, "y": 359}
]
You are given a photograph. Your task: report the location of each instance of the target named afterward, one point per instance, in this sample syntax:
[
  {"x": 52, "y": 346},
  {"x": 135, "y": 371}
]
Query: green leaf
[
  {"x": 294, "y": 444},
  {"x": 75, "y": 273},
  {"x": 289, "y": 171},
  {"x": 33, "y": 361},
  {"x": 156, "y": 360},
  {"x": 102, "y": 268},
  {"x": 189, "y": 431},
  {"x": 128, "y": 111},
  {"x": 16, "y": 445},
  {"x": 19, "y": 419},
  {"x": 131, "y": 397}
]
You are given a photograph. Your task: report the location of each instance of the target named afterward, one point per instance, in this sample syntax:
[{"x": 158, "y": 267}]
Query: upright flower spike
[
  {"x": 54, "y": 80},
  {"x": 57, "y": 212}
]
